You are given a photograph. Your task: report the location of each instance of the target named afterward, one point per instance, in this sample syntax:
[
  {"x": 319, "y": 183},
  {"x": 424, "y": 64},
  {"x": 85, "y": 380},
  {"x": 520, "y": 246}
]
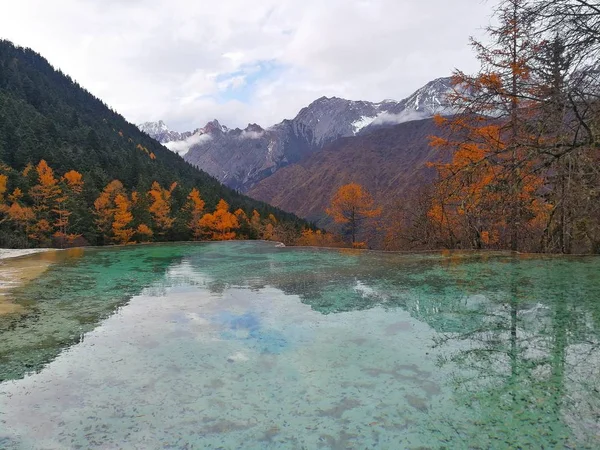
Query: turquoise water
[{"x": 245, "y": 345}]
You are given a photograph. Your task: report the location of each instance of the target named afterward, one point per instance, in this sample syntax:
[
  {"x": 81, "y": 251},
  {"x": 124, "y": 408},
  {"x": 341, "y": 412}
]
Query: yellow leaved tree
[
  {"x": 350, "y": 206},
  {"x": 221, "y": 224},
  {"x": 105, "y": 208},
  {"x": 161, "y": 207}
]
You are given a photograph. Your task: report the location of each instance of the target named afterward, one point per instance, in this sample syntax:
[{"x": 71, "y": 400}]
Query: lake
[{"x": 246, "y": 345}]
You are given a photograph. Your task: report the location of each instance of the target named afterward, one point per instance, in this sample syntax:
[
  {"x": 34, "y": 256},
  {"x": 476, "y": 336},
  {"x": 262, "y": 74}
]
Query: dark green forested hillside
[{"x": 45, "y": 115}]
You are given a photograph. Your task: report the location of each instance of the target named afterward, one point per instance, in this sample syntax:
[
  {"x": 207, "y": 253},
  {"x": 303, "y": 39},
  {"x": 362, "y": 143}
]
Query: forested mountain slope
[{"x": 45, "y": 115}]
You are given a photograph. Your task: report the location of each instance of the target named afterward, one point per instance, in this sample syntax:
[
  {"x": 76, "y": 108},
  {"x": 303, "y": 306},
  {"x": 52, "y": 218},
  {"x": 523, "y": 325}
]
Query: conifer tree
[
  {"x": 195, "y": 208},
  {"x": 122, "y": 232},
  {"x": 160, "y": 208},
  {"x": 220, "y": 225}
]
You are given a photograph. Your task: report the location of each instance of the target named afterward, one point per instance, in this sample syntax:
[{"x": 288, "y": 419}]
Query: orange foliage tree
[
  {"x": 122, "y": 233},
  {"x": 195, "y": 207},
  {"x": 160, "y": 208},
  {"x": 45, "y": 192},
  {"x": 221, "y": 224},
  {"x": 3, "y": 187},
  {"x": 104, "y": 208},
  {"x": 74, "y": 180},
  {"x": 268, "y": 230},
  {"x": 144, "y": 232},
  {"x": 20, "y": 215},
  {"x": 351, "y": 205},
  {"x": 47, "y": 203},
  {"x": 311, "y": 238},
  {"x": 489, "y": 192}
]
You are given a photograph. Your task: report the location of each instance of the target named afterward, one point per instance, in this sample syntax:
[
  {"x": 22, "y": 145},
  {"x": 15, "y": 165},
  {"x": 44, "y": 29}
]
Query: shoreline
[
  {"x": 16, "y": 271},
  {"x": 6, "y": 253}
]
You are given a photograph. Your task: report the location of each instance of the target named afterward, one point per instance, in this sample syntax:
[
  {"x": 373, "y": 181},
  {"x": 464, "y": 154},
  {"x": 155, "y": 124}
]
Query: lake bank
[
  {"x": 6, "y": 253},
  {"x": 15, "y": 271}
]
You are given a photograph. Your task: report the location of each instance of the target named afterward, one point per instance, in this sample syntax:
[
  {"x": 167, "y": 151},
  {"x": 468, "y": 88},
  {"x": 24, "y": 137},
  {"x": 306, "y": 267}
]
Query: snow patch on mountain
[
  {"x": 161, "y": 132},
  {"x": 153, "y": 127}
]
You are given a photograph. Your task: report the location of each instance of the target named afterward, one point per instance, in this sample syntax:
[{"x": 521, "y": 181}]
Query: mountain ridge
[{"x": 242, "y": 158}]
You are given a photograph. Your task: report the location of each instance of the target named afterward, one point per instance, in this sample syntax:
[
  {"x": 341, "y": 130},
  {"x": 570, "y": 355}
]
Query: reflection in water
[
  {"x": 243, "y": 344},
  {"x": 514, "y": 362},
  {"x": 71, "y": 298}
]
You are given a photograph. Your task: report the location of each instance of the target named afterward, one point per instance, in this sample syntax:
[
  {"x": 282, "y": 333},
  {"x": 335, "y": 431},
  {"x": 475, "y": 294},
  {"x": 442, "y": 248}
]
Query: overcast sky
[{"x": 240, "y": 61}]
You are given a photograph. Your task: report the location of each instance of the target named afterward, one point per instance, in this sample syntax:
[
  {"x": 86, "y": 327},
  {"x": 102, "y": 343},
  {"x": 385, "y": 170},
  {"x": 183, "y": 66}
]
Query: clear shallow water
[{"x": 244, "y": 345}]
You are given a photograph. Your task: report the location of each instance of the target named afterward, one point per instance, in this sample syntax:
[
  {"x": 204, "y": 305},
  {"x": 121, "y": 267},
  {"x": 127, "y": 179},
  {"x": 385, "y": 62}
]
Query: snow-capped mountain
[
  {"x": 331, "y": 118},
  {"x": 240, "y": 158},
  {"x": 430, "y": 99},
  {"x": 162, "y": 133}
]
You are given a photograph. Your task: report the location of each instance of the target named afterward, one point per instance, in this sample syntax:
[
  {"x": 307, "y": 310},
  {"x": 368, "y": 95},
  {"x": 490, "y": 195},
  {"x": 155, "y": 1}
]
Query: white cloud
[
  {"x": 182, "y": 147},
  {"x": 174, "y": 59},
  {"x": 251, "y": 134},
  {"x": 404, "y": 116}
]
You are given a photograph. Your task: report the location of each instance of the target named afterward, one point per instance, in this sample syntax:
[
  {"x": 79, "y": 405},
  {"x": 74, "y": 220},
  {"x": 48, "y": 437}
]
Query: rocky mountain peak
[
  {"x": 213, "y": 127},
  {"x": 161, "y": 132},
  {"x": 431, "y": 98},
  {"x": 254, "y": 128}
]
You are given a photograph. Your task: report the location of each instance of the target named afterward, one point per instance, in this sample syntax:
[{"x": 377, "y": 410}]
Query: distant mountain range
[{"x": 241, "y": 158}]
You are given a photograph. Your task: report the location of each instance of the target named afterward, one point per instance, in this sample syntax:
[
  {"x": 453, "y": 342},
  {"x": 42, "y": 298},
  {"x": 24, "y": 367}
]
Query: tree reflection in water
[{"x": 535, "y": 357}]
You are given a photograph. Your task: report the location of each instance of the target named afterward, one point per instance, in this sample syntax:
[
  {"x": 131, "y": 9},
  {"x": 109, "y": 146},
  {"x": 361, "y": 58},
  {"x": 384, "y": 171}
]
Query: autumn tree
[
  {"x": 268, "y": 229},
  {"x": 491, "y": 187},
  {"x": 3, "y": 188},
  {"x": 220, "y": 225},
  {"x": 45, "y": 192},
  {"x": 160, "y": 207},
  {"x": 351, "y": 206},
  {"x": 143, "y": 232},
  {"x": 105, "y": 207},
  {"x": 47, "y": 197},
  {"x": 195, "y": 209},
  {"x": 61, "y": 223},
  {"x": 74, "y": 180},
  {"x": 122, "y": 232},
  {"x": 317, "y": 238},
  {"x": 20, "y": 215},
  {"x": 524, "y": 139}
]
